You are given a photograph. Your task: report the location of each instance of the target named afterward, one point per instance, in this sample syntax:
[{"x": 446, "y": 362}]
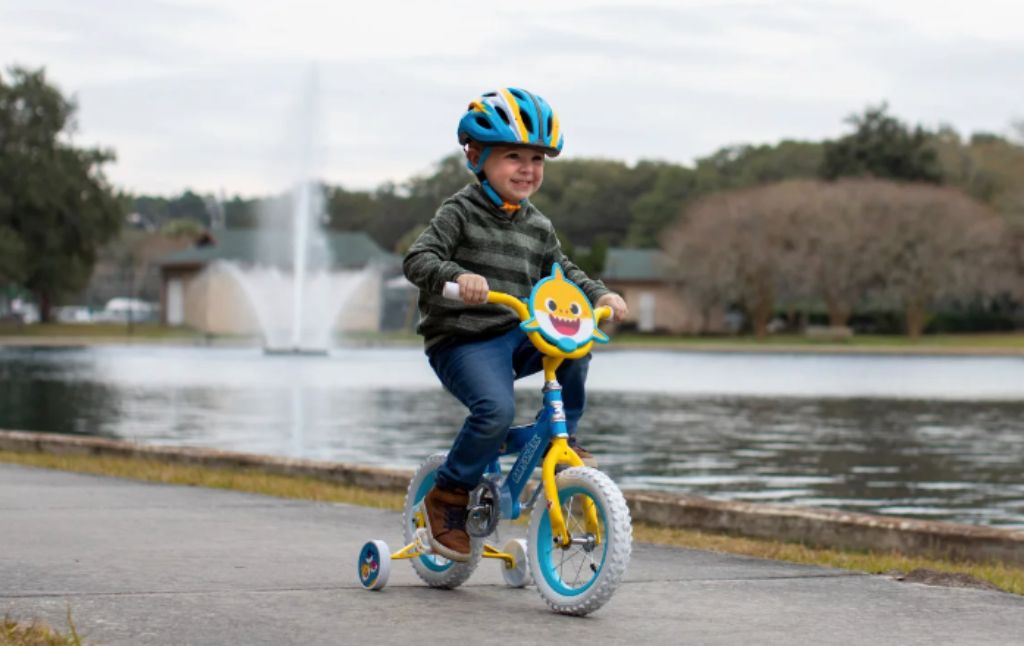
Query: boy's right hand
[{"x": 473, "y": 288}]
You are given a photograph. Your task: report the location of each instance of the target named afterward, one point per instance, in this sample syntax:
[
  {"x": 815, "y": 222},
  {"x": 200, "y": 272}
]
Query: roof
[
  {"x": 347, "y": 249},
  {"x": 633, "y": 264}
]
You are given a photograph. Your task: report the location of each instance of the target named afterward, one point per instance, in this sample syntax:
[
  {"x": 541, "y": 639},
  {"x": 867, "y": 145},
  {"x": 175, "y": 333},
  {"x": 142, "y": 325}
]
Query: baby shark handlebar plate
[{"x": 558, "y": 317}]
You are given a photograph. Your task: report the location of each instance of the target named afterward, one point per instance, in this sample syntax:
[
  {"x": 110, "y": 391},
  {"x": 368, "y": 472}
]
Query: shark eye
[
  {"x": 551, "y": 305},
  {"x": 575, "y": 309}
]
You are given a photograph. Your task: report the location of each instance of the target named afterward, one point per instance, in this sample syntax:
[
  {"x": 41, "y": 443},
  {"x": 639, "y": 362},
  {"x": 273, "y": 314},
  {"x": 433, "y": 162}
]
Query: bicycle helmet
[{"x": 511, "y": 116}]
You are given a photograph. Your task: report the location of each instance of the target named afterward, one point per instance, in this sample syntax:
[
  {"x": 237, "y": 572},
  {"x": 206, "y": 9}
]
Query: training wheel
[
  {"x": 374, "y": 565},
  {"x": 518, "y": 576}
]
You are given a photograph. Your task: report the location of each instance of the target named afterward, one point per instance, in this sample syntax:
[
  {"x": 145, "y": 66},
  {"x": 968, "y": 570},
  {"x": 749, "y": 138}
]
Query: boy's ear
[{"x": 473, "y": 154}]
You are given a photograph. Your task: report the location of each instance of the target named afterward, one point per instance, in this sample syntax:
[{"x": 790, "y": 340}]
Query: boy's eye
[
  {"x": 575, "y": 309},
  {"x": 551, "y": 305}
]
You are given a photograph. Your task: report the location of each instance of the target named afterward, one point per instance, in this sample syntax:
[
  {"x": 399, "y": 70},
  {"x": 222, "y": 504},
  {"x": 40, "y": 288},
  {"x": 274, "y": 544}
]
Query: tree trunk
[
  {"x": 917, "y": 318},
  {"x": 838, "y": 313},
  {"x": 43, "y": 298},
  {"x": 760, "y": 316}
]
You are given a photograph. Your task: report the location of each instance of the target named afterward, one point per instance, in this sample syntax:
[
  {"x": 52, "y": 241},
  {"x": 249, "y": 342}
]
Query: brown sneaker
[
  {"x": 588, "y": 458},
  {"x": 445, "y": 514}
]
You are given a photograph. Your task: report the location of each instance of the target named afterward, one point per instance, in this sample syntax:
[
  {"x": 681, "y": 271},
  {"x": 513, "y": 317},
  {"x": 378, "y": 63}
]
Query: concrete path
[{"x": 141, "y": 563}]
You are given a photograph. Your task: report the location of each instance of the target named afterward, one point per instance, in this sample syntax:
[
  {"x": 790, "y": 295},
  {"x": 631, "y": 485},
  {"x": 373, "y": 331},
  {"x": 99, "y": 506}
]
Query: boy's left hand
[{"x": 617, "y": 303}]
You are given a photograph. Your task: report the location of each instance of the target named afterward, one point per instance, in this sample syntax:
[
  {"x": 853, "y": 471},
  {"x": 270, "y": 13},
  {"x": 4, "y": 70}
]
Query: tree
[
  {"x": 939, "y": 246},
  {"x": 55, "y": 200},
  {"x": 656, "y": 208},
  {"x": 741, "y": 247},
  {"x": 882, "y": 146}
]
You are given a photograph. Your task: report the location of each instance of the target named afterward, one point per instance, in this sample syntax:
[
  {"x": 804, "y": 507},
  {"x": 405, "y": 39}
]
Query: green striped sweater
[{"x": 468, "y": 234}]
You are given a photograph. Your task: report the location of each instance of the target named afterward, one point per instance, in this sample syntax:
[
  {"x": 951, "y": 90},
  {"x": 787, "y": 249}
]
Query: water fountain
[{"x": 295, "y": 289}]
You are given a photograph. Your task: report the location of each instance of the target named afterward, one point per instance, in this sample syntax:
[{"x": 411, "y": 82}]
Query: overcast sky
[{"x": 212, "y": 94}]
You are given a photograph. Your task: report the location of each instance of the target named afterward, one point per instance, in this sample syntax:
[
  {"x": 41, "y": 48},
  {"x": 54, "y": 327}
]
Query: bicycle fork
[{"x": 561, "y": 453}]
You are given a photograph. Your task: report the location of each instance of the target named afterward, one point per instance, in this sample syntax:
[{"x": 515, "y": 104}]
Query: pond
[{"x": 928, "y": 437}]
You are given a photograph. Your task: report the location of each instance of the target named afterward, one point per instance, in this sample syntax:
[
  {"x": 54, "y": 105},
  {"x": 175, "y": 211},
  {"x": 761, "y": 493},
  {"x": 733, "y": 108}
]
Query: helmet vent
[
  {"x": 549, "y": 125},
  {"x": 527, "y": 121},
  {"x": 483, "y": 123},
  {"x": 502, "y": 114}
]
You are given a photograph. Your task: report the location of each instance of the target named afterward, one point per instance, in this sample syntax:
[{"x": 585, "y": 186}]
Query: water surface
[{"x": 928, "y": 437}]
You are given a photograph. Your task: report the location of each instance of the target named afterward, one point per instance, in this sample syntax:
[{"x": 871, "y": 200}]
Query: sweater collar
[{"x": 475, "y": 193}]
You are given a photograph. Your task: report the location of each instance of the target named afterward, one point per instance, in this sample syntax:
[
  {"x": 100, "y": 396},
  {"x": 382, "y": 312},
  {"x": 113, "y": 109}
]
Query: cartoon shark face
[{"x": 562, "y": 313}]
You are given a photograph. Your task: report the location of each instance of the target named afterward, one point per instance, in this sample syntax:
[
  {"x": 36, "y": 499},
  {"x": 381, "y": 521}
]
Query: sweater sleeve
[
  {"x": 428, "y": 263},
  {"x": 594, "y": 289}
]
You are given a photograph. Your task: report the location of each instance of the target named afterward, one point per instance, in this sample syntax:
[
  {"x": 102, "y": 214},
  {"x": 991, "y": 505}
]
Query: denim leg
[
  {"x": 571, "y": 375},
  {"x": 479, "y": 374}
]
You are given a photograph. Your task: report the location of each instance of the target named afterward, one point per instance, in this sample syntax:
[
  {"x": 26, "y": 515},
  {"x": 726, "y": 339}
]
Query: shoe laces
[{"x": 455, "y": 517}]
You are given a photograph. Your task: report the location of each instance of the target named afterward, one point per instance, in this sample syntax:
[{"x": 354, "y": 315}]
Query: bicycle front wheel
[{"x": 580, "y": 578}]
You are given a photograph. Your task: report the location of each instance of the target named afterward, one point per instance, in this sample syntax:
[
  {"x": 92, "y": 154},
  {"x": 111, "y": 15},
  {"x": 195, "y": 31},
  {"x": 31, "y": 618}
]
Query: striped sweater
[{"x": 468, "y": 234}]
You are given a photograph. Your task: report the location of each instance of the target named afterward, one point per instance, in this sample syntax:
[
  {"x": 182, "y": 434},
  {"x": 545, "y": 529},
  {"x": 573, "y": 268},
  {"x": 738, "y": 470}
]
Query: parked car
[{"x": 122, "y": 310}]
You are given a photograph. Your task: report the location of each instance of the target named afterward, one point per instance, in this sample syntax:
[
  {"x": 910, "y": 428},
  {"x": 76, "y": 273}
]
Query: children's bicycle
[{"x": 580, "y": 538}]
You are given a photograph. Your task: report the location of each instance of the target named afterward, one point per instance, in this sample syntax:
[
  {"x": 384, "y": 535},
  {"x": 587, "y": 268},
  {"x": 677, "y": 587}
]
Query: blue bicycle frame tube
[{"x": 530, "y": 442}]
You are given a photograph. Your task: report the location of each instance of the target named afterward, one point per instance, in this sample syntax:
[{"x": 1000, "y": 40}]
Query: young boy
[{"x": 489, "y": 236}]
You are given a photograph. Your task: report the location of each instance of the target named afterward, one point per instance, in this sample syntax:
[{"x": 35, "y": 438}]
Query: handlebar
[{"x": 451, "y": 291}]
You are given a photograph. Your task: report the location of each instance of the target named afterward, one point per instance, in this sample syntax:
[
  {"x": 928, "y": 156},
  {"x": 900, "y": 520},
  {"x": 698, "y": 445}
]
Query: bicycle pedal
[{"x": 423, "y": 541}]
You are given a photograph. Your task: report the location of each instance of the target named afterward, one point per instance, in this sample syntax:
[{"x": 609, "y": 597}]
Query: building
[
  {"x": 656, "y": 303},
  {"x": 204, "y": 286}
]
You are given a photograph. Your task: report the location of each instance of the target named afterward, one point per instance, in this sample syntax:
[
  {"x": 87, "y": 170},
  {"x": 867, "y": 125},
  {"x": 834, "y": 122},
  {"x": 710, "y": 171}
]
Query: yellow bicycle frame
[{"x": 559, "y": 452}]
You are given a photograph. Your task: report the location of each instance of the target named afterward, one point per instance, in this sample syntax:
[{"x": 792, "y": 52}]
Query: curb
[{"x": 806, "y": 525}]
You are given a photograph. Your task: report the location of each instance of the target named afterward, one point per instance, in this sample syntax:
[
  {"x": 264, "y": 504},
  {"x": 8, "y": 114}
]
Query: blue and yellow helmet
[{"x": 514, "y": 117}]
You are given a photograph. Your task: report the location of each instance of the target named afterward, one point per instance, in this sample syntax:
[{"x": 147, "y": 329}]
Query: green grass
[
  {"x": 1007, "y": 341},
  {"x": 1006, "y": 577},
  {"x": 98, "y": 330},
  {"x": 13, "y": 633}
]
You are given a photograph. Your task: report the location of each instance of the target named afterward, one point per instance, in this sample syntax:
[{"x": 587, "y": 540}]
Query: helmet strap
[
  {"x": 478, "y": 170},
  {"x": 508, "y": 207}
]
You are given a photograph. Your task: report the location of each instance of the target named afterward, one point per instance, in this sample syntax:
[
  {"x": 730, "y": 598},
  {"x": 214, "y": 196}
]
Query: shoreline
[
  {"x": 816, "y": 527},
  {"x": 920, "y": 349}
]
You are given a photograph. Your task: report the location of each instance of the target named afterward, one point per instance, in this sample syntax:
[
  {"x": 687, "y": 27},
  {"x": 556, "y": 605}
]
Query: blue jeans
[{"x": 480, "y": 373}]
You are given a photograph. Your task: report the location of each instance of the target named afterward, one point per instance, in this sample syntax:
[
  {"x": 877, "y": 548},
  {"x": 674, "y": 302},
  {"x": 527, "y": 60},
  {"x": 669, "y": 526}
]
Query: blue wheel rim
[
  {"x": 551, "y": 559},
  {"x": 435, "y": 563}
]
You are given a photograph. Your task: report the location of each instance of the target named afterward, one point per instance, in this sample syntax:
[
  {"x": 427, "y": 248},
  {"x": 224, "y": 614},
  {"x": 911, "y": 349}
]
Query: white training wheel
[
  {"x": 374, "y": 565},
  {"x": 518, "y": 576}
]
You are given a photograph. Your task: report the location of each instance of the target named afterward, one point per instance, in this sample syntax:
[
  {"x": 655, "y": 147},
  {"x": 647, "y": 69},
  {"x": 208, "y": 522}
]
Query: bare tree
[
  {"x": 913, "y": 246},
  {"x": 938, "y": 245},
  {"x": 739, "y": 247}
]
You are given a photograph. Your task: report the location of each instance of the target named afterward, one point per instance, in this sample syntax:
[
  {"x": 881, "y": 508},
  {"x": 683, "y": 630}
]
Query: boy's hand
[
  {"x": 617, "y": 303},
  {"x": 473, "y": 288}
]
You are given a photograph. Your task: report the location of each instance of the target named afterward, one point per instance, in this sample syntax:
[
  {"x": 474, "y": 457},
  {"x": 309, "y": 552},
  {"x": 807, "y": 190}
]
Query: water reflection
[{"x": 933, "y": 458}]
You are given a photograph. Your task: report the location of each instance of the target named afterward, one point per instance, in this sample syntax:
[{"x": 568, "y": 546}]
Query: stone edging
[{"x": 808, "y": 525}]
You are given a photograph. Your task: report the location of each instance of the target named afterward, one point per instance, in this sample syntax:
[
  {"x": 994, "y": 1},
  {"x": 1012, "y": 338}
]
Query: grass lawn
[
  {"x": 1009, "y": 342},
  {"x": 98, "y": 330}
]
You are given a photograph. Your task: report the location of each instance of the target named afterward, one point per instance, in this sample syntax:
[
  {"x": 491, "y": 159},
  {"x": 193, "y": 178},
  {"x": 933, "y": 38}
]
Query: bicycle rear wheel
[
  {"x": 580, "y": 578},
  {"x": 436, "y": 571}
]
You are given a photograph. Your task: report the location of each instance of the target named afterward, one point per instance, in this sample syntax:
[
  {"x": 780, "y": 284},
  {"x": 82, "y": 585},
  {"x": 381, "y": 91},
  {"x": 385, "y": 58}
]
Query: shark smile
[{"x": 566, "y": 327}]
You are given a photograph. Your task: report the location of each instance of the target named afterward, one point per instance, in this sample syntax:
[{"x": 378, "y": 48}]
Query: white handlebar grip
[{"x": 451, "y": 290}]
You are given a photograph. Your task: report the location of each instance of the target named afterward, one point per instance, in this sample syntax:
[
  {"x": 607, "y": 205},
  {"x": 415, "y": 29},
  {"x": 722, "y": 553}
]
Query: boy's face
[{"x": 515, "y": 172}]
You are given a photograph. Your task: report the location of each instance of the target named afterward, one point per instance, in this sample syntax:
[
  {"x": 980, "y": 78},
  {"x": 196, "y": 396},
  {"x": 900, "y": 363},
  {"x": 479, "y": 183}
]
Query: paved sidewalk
[{"x": 142, "y": 563}]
